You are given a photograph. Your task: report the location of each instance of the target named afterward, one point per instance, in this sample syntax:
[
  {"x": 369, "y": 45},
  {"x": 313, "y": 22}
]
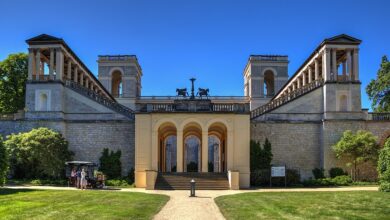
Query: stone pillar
[
  {"x": 334, "y": 63},
  {"x": 82, "y": 79},
  {"x": 31, "y": 70},
  {"x": 316, "y": 70},
  {"x": 86, "y": 82},
  {"x": 303, "y": 79},
  {"x": 349, "y": 64},
  {"x": 344, "y": 68},
  {"x": 75, "y": 76},
  {"x": 51, "y": 65},
  {"x": 294, "y": 86},
  {"x": 69, "y": 74},
  {"x": 310, "y": 74},
  {"x": 356, "y": 64},
  {"x": 205, "y": 151},
  {"x": 38, "y": 63},
  {"x": 298, "y": 82},
  {"x": 59, "y": 64},
  {"x": 326, "y": 65},
  {"x": 179, "y": 151}
]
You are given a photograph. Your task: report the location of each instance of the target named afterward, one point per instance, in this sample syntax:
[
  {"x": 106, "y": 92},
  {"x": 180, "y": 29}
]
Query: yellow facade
[{"x": 150, "y": 126}]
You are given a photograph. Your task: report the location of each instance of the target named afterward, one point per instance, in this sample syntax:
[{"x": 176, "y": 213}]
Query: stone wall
[
  {"x": 86, "y": 138},
  {"x": 295, "y": 144}
]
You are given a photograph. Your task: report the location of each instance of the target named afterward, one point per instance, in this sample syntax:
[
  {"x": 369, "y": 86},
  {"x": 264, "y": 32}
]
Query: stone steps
[{"x": 181, "y": 181}]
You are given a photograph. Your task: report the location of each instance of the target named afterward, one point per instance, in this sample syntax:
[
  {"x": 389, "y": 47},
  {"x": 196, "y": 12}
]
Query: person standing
[
  {"x": 83, "y": 180},
  {"x": 78, "y": 178}
]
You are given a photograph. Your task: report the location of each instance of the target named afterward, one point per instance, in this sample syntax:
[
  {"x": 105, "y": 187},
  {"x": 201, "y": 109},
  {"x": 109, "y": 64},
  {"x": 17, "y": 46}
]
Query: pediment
[
  {"x": 44, "y": 38},
  {"x": 343, "y": 38}
]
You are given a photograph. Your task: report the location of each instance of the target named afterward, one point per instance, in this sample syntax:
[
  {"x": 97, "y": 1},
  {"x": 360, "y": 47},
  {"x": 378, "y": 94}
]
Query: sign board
[{"x": 279, "y": 171}]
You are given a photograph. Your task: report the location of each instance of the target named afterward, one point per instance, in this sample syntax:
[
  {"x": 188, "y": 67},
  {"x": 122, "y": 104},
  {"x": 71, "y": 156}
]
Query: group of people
[{"x": 79, "y": 178}]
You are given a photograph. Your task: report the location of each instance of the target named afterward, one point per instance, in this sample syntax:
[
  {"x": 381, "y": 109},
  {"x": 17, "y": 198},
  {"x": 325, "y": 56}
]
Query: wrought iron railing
[
  {"x": 380, "y": 116},
  {"x": 100, "y": 99},
  {"x": 286, "y": 98}
]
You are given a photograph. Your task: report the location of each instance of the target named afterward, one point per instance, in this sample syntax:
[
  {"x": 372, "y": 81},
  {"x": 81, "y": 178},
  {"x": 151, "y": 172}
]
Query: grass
[
  {"x": 57, "y": 204},
  {"x": 306, "y": 205}
]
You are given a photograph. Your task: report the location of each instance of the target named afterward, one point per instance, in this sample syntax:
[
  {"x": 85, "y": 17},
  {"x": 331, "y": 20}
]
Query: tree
[
  {"x": 110, "y": 163},
  {"x": 357, "y": 148},
  {"x": 39, "y": 153},
  {"x": 384, "y": 167},
  {"x": 13, "y": 77},
  {"x": 4, "y": 163},
  {"x": 378, "y": 89},
  {"x": 260, "y": 158}
]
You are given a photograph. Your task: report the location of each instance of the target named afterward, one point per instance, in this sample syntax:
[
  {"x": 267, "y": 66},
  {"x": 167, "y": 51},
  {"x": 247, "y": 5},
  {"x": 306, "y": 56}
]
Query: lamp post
[{"x": 192, "y": 88}]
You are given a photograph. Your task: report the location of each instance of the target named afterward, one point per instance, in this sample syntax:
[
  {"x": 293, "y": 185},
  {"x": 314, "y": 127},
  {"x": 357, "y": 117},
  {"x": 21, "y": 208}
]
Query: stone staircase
[
  {"x": 276, "y": 103},
  {"x": 181, "y": 181}
]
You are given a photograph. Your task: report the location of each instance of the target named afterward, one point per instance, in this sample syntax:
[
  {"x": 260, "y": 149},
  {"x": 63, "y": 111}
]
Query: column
[
  {"x": 154, "y": 151},
  {"x": 310, "y": 74},
  {"x": 303, "y": 79},
  {"x": 334, "y": 64},
  {"x": 30, "y": 63},
  {"x": 316, "y": 70},
  {"x": 69, "y": 74},
  {"x": 293, "y": 86},
  {"x": 205, "y": 151},
  {"x": 82, "y": 79},
  {"x": 86, "y": 82},
  {"x": 75, "y": 74},
  {"x": 298, "y": 83},
  {"x": 356, "y": 64},
  {"x": 344, "y": 68},
  {"x": 38, "y": 64},
  {"x": 59, "y": 64},
  {"x": 51, "y": 65},
  {"x": 349, "y": 65},
  {"x": 326, "y": 65},
  {"x": 179, "y": 151}
]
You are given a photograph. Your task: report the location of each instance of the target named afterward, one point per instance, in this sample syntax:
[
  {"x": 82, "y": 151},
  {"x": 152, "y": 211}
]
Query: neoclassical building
[{"x": 169, "y": 138}]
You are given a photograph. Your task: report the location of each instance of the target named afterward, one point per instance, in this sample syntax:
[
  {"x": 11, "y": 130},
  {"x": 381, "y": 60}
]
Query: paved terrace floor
[{"x": 181, "y": 206}]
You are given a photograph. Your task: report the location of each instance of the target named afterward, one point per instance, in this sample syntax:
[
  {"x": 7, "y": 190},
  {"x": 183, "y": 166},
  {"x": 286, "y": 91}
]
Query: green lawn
[
  {"x": 306, "y": 205},
  {"x": 56, "y": 204}
]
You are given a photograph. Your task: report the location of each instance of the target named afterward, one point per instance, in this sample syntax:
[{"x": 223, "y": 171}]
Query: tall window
[
  {"x": 192, "y": 153},
  {"x": 269, "y": 83},
  {"x": 214, "y": 154},
  {"x": 170, "y": 153},
  {"x": 116, "y": 87},
  {"x": 43, "y": 102}
]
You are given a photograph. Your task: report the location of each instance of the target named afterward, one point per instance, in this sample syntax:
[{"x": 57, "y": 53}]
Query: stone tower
[
  {"x": 264, "y": 76},
  {"x": 121, "y": 76}
]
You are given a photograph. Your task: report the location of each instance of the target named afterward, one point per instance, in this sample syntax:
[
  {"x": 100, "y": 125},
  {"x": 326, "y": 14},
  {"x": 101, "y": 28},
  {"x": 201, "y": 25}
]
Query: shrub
[
  {"x": 318, "y": 173},
  {"x": 337, "y": 181},
  {"x": 130, "y": 176},
  {"x": 384, "y": 167},
  {"x": 39, "y": 153},
  {"x": 342, "y": 180},
  {"x": 110, "y": 163},
  {"x": 118, "y": 182},
  {"x": 260, "y": 158},
  {"x": 262, "y": 178},
  {"x": 337, "y": 171},
  {"x": 4, "y": 163}
]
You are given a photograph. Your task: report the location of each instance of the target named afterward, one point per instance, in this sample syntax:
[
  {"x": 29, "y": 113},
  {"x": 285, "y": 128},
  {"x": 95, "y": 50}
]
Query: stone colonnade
[
  {"x": 56, "y": 63},
  {"x": 325, "y": 65}
]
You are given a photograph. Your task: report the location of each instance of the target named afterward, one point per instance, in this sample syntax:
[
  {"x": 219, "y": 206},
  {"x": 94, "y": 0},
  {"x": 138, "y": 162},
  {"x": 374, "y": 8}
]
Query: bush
[
  {"x": 4, "y": 163},
  {"x": 262, "y": 178},
  {"x": 110, "y": 163},
  {"x": 384, "y": 167},
  {"x": 337, "y": 171},
  {"x": 337, "y": 181},
  {"x": 130, "y": 176},
  {"x": 118, "y": 182},
  {"x": 39, "y": 153},
  {"x": 260, "y": 158},
  {"x": 318, "y": 173}
]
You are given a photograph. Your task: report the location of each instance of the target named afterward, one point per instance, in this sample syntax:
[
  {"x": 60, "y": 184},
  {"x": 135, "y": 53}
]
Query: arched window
[
  {"x": 43, "y": 102},
  {"x": 343, "y": 103},
  {"x": 269, "y": 83},
  {"x": 170, "y": 153},
  {"x": 214, "y": 154},
  {"x": 192, "y": 153},
  {"x": 116, "y": 87}
]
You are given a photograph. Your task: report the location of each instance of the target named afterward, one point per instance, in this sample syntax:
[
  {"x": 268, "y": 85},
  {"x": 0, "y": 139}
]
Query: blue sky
[{"x": 210, "y": 40}]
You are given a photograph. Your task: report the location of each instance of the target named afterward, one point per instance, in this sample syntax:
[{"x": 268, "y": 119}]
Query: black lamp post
[{"x": 192, "y": 188}]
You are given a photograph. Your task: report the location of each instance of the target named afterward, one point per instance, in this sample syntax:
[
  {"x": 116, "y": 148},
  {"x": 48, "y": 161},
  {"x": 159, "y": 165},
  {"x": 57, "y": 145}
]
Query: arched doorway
[
  {"x": 217, "y": 147},
  {"x": 116, "y": 84},
  {"x": 269, "y": 83},
  {"x": 192, "y": 134},
  {"x": 167, "y": 157}
]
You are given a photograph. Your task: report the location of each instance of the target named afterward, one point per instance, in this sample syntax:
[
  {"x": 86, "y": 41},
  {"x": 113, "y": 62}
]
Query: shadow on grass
[{"x": 7, "y": 191}]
